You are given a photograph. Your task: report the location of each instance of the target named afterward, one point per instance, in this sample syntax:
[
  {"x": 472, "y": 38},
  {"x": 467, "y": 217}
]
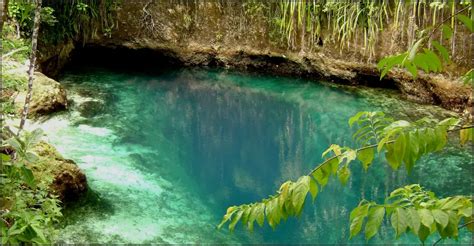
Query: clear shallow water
[{"x": 165, "y": 154}]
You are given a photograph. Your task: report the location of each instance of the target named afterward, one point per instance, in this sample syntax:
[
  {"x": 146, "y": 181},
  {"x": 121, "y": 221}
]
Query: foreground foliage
[
  {"x": 28, "y": 209},
  {"x": 402, "y": 143}
]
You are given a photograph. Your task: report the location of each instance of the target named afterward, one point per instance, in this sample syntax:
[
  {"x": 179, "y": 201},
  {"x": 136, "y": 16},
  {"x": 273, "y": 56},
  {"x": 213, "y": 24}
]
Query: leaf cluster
[
  {"x": 415, "y": 210},
  {"x": 401, "y": 142},
  {"x": 28, "y": 209}
]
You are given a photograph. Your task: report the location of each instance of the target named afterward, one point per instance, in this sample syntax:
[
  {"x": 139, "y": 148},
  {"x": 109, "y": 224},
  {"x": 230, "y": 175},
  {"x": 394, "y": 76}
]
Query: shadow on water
[{"x": 168, "y": 152}]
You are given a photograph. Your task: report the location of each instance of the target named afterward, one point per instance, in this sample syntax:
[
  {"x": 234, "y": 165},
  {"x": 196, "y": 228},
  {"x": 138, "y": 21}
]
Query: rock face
[
  {"x": 48, "y": 96},
  {"x": 206, "y": 33},
  {"x": 69, "y": 181}
]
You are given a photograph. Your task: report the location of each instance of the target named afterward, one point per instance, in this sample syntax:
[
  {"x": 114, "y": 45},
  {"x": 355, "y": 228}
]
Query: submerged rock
[
  {"x": 48, "y": 96},
  {"x": 91, "y": 109},
  {"x": 69, "y": 182}
]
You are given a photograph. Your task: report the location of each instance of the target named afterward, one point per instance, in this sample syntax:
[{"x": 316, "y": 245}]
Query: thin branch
[
  {"x": 446, "y": 19},
  {"x": 459, "y": 227},
  {"x": 13, "y": 52}
]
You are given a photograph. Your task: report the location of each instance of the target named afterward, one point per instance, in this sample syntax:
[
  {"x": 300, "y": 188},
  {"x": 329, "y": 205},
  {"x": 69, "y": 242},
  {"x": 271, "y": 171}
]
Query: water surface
[{"x": 165, "y": 154}]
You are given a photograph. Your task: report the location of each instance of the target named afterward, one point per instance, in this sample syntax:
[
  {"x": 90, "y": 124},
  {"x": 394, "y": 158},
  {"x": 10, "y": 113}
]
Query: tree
[
  {"x": 31, "y": 69},
  {"x": 410, "y": 208}
]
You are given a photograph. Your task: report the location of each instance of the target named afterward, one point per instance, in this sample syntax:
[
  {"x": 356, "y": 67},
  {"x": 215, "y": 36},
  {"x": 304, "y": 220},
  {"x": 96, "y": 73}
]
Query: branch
[
  {"x": 13, "y": 52},
  {"x": 459, "y": 227},
  {"x": 445, "y": 20}
]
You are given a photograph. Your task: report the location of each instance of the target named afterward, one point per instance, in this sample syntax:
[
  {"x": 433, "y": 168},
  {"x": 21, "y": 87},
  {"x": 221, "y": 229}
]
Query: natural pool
[{"x": 166, "y": 153}]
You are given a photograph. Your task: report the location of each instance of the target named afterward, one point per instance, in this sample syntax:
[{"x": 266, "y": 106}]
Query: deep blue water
[{"x": 166, "y": 153}]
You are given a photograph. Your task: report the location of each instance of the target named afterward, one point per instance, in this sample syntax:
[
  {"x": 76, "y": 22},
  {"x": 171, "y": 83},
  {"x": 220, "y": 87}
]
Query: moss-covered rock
[
  {"x": 48, "y": 96},
  {"x": 69, "y": 182}
]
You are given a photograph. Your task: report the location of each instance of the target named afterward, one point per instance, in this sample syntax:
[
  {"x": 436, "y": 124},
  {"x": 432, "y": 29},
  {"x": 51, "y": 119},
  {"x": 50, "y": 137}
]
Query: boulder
[
  {"x": 69, "y": 182},
  {"x": 48, "y": 96}
]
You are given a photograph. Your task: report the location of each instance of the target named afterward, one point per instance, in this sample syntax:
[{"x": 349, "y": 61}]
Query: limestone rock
[
  {"x": 48, "y": 96},
  {"x": 69, "y": 182}
]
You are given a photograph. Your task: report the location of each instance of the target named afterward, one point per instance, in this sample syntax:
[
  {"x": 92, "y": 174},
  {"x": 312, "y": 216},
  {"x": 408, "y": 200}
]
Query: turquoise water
[{"x": 165, "y": 154}]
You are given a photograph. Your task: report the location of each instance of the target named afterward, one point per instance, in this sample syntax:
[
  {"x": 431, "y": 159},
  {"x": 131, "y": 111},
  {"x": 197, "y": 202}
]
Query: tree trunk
[
  {"x": 303, "y": 31},
  {"x": 4, "y": 6},
  {"x": 31, "y": 69}
]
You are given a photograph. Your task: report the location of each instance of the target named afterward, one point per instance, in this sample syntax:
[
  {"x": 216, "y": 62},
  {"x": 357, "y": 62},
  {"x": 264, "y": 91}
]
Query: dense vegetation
[{"x": 29, "y": 209}]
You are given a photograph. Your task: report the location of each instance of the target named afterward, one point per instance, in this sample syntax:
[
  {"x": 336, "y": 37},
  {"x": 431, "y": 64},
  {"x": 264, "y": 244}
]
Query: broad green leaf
[
  {"x": 235, "y": 219},
  {"x": 14, "y": 143},
  {"x": 366, "y": 156},
  {"x": 299, "y": 193},
  {"x": 399, "y": 148},
  {"x": 423, "y": 233},
  {"x": 5, "y": 157},
  {"x": 356, "y": 117},
  {"x": 440, "y": 217},
  {"x": 413, "y": 220},
  {"x": 321, "y": 177},
  {"x": 426, "y": 218},
  {"x": 343, "y": 174},
  {"x": 273, "y": 213},
  {"x": 227, "y": 216},
  {"x": 447, "y": 32},
  {"x": 389, "y": 62},
  {"x": 466, "y": 21},
  {"x": 441, "y": 50},
  {"x": 435, "y": 62},
  {"x": 411, "y": 68},
  {"x": 28, "y": 177},
  {"x": 313, "y": 188},
  {"x": 391, "y": 158},
  {"x": 259, "y": 211},
  {"x": 399, "y": 221},
  {"x": 374, "y": 221},
  {"x": 466, "y": 135},
  {"x": 357, "y": 218},
  {"x": 421, "y": 60}
]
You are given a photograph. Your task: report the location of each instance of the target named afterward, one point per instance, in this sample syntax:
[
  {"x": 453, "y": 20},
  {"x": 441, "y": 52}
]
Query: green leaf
[
  {"x": 235, "y": 219},
  {"x": 321, "y": 177},
  {"x": 366, "y": 156},
  {"x": 435, "y": 62},
  {"x": 31, "y": 156},
  {"x": 28, "y": 177},
  {"x": 343, "y": 174},
  {"x": 442, "y": 218},
  {"x": 374, "y": 221},
  {"x": 441, "y": 50},
  {"x": 259, "y": 210},
  {"x": 468, "y": 78},
  {"x": 447, "y": 32},
  {"x": 411, "y": 68},
  {"x": 227, "y": 216},
  {"x": 356, "y": 117},
  {"x": 313, "y": 188},
  {"x": 16, "y": 145},
  {"x": 426, "y": 218},
  {"x": 413, "y": 220},
  {"x": 389, "y": 62},
  {"x": 5, "y": 157},
  {"x": 466, "y": 21},
  {"x": 399, "y": 221},
  {"x": 423, "y": 233},
  {"x": 466, "y": 135},
  {"x": 357, "y": 218},
  {"x": 299, "y": 193},
  {"x": 414, "y": 49}
]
